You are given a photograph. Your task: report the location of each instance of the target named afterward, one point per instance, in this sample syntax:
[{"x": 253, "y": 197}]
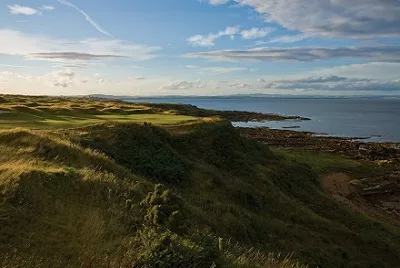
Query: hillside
[{"x": 91, "y": 183}]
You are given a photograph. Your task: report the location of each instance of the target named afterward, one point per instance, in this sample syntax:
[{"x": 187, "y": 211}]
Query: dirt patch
[
  {"x": 384, "y": 206},
  {"x": 337, "y": 184}
]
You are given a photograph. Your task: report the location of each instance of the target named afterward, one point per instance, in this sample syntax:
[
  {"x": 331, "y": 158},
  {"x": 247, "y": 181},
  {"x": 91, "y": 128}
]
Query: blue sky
[{"x": 192, "y": 47}]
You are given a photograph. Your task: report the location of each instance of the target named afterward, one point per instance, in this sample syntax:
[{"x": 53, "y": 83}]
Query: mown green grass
[{"x": 49, "y": 121}]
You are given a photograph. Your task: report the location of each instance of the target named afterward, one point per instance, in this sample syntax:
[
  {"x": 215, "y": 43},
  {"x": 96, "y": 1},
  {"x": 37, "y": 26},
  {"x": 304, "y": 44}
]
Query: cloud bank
[
  {"x": 354, "y": 19},
  {"x": 307, "y": 54},
  {"x": 331, "y": 83},
  {"x": 45, "y": 48}
]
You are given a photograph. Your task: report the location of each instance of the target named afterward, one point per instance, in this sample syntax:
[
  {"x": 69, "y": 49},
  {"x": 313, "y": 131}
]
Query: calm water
[{"x": 377, "y": 119}]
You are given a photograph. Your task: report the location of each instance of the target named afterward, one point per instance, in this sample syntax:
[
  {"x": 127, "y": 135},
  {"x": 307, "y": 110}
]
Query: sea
[{"x": 367, "y": 119}]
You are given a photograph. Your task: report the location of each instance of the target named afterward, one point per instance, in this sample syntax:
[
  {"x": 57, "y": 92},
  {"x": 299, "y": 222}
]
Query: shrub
[
  {"x": 142, "y": 149},
  {"x": 165, "y": 209},
  {"x": 167, "y": 250}
]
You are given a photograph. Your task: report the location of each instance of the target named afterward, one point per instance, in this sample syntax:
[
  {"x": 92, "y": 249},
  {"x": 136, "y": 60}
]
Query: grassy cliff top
[{"x": 187, "y": 193}]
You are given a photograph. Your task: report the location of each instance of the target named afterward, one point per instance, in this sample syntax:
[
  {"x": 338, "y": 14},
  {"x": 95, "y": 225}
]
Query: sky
[{"x": 200, "y": 47}]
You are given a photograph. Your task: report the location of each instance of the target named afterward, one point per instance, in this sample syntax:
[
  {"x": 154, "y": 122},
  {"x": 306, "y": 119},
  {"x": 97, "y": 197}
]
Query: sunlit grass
[
  {"x": 48, "y": 113},
  {"x": 65, "y": 121}
]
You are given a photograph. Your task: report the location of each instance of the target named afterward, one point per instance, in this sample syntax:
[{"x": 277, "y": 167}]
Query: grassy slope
[
  {"x": 325, "y": 163},
  {"x": 87, "y": 197}
]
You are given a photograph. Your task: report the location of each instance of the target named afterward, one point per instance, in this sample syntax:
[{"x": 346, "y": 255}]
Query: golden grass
[{"x": 58, "y": 113}]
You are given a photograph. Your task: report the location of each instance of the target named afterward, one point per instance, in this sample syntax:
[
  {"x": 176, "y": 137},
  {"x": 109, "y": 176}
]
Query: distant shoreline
[
  {"x": 252, "y": 115},
  {"x": 241, "y": 96}
]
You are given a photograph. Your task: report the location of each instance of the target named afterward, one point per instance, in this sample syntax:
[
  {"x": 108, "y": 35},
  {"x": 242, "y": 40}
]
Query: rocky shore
[
  {"x": 241, "y": 116},
  {"x": 350, "y": 147}
]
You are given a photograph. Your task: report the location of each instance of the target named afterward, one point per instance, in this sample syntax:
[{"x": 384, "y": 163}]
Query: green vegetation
[
  {"x": 122, "y": 194},
  {"x": 324, "y": 163}
]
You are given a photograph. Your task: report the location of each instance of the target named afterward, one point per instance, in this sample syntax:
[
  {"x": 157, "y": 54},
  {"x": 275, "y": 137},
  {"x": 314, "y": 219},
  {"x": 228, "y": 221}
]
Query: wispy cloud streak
[{"x": 87, "y": 17}]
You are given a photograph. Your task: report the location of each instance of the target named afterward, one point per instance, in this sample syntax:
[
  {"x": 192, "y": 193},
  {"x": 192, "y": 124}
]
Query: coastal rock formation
[{"x": 350, "y": 147}]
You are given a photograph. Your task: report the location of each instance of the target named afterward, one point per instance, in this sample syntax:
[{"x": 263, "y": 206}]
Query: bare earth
[{"x": 385, "y": 206}]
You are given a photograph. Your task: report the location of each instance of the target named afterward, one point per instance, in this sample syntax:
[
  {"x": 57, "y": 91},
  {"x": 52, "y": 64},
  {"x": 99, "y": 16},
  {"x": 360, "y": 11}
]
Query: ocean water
[{"x": 373, "y": 119}]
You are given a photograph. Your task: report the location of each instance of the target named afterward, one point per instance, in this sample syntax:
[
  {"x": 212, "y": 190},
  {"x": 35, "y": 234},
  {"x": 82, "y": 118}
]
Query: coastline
[
  {"x": 291, "y": 137},
  {"x": 352, "y": 147},
  {"x": 349, "y": 117}
]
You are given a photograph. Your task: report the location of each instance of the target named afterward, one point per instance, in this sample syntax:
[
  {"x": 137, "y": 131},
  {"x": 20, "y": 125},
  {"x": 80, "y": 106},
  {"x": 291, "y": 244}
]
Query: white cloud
[
  {"x": 372, "y": 70},
  {"x": 308, "y": 85},
  {"x": 47, "y": 8},
  {"x": 73, "y": 56},
  {"x": 354, "y": 19},
  {"x": 17, "y": 66},
  {"x": 208, "y": 86},
  {"x": 305, "y": 54},
  {"x": 334, "y": 84},
  {"x": 70, "y": 82},
  {"x": 192, "y": 66},
  {"x": 183, "y": 84},
  {"x": 140, "y": 77},
  {"x": 209, "y": 40},
  {"x": 216, "y": 70},
  {"x": 255, "y": 33},
  {"x": 286, "y": 39},
  {"x": 67, "y": 73},
  {"x": 218, "y": 2},
  {"x": 22, "y": 10},
  {"x": 79, "y": 65},
  {"x": 59, "y": 50},
  {"x": 87, "y": 17},
  {"x": 63, "y": 78},
  {"x": 316, "y": 79}
]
